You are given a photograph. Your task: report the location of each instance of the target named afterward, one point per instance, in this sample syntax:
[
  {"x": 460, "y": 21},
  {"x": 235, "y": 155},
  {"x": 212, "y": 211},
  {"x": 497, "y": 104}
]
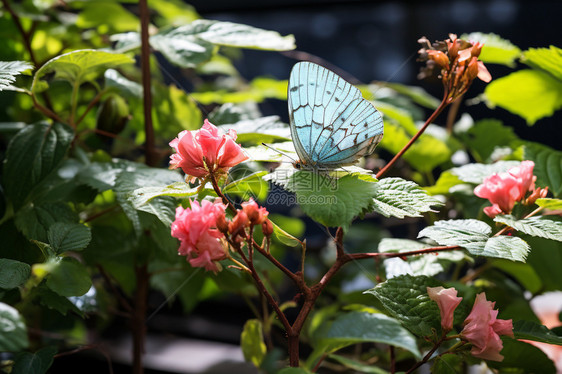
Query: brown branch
[
  {"x": 25, "y": 35},
  {"x": 150, "y": 152},
  {"x": 89, "y": 107},
  {"x": 46, "y": 111},
  {"x": 431, "y": 118}
]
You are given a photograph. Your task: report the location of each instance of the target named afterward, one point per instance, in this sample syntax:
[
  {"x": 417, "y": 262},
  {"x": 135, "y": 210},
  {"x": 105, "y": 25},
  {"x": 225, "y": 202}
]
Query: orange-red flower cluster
[
  {"x": 458, "y": 63},
  {"x": 250, "y": 214}
]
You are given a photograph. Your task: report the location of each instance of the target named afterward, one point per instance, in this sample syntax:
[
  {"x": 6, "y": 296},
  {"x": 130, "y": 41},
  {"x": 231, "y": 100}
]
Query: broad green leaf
[
  {"x": 417, "y": 94},
  {"x": 293, "y": 371},
  {"x": 143, "y": 195},
  {"x": 406, "y": 298},
  {"x": 182, "y": 47},
  {"x": 482, "y": 138},
  {"x": 257, "y": 91},
  {"x": 14, "y": 273},
  {"x": 357, "y": 366},
  {"x": 13, "y": 332},
  {"x": 531, "y": 94},
  {"x": 496, "y": 50},
  {"x": 78, "y": 67},
  {"x": 545, "y": 258},
  {"x": 34, "y": 363},
  {"x": 547, "y": 203},
  {"x": 68, "y": 236},
  {"x": 9, "y": 70},
  {"x": 414, "y": 265},
  {"x": 361, "y": 327},
  {"x": 108, "y": 13},
  {"x": 32, "y": 154},
  {"x": 282, "y": 235},
  {"x": 508, "y": 247},
  {"x": 125, "y": 86},
  {"x": 467, "y": 233},
  {"x": 549, "y": 227},
  {"x": 329, "y": 201},
  {"x": 523, "y": 273},
  {"x": 547, "y": 59},
  {"x": 251, "y": 342},
  {"x": 475, "y": 173},
  {"x": 273, "y": 154},
  {"x": 446, "y": 181},
  {"x": 52, "y": 300},
  {"x": 102, "y": 175},
  {"x": 248, "y": 186},
  {"x": 548, "y": 166},
  {"x": 173, "y": 12},
  {"x": 522, "y": 357},
  {"x": 34, "y": 220},
  {"x": 176, "y": 111},
  {"x": 398, "y": 117},
  {"x": 183, "y": 284},
  {"x": 230, "y": 113},
  {"x": 68, "y": 277},
  {"x": 238, "y": 35},
  {"x": 530, "y": 330},
  {"x": 448, "y": 364},
  {"x": 400, "y": 198},
  {"x": 261, "y": 130}
]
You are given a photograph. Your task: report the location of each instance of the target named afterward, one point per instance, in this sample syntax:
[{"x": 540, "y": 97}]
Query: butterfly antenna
[{"x": 278, "y": 151}]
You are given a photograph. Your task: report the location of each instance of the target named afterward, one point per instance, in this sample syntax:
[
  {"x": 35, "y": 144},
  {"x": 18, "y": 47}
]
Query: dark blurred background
[{"x": 377, "y": 40}]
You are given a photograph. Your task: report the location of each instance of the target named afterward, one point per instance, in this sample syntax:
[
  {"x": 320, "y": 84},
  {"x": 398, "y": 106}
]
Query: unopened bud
[
  {"x": 238, "y": 223},
  {"x": 267, "y": 228},
  {"x": 472, "y": 70},
  {"x": 538, "y": 193},
  {"x": 439, "y": 57},
  {"x": 476, "y": 49},
  {"x": 221, "y": 224}
]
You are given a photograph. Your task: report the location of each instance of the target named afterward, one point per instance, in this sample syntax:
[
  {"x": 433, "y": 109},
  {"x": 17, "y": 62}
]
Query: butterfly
[{"x": 332, "y": 125}]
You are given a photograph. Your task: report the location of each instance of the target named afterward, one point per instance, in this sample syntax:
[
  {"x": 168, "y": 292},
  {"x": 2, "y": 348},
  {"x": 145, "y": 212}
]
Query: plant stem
[
  {"x": 150, "y": 153},
  {"x": 453, "y": 110},
  {"x": 90, "y": 106},
  {"x": 431, "y": 118},
  {"x": 138, "y": 319},
  {"x": 73, "y": 103}
]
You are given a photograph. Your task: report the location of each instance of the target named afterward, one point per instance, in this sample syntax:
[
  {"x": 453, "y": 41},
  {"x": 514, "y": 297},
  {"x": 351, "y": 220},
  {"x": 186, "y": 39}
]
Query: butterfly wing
[{"x": 331, "y": 123}]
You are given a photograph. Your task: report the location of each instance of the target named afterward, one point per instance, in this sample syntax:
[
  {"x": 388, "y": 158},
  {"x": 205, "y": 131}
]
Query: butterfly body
[{"x": 332, "y": 125}]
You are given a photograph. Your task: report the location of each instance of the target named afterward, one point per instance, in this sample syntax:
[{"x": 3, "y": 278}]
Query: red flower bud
[
  {"x": 267, "y": 228},
  {"x": 472, "y": 70},
  {"x": 439, "y": 57},
  {"x": 238, "y": 223},
  {"x": 256, "y": 214},
  {"x": 221, "y": 223},
  {"x": 453, "y": 46},
  {"x": 476, "y": 49}
]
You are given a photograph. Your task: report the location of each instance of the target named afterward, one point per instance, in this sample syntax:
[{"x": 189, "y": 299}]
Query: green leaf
[
  {"x": 548, "y": 166},
  {"x": 108, "y": 13},
  {"x": 417, "y": 94},
  {"x": 248, "y": 186},
  {"x": 471, "y": 234},
  {"x": 183, "y": 284},
  {"x": 9, "y": 70},
  {"x": 126, "y": 87},
  {"x": 13, "y": 333},
  {"x": 34, "y": 363},
  {"x": 68, "y": 277},
  {"x": 361, "y": 327},
  {"x": 293, "y": 371},
  {"x": 68, "y": 237},
  {"x": 54, "y": 301},
  {"x": 547, "y": 203},
  {"x": 522, "y": 357},
  {"x": 448, "y": 364},
  {"x": 523, "y": 273},
  {"x": 143, "y": 195},
  {"x": 545, "y": 258},
  {"x": 251, "y": 342},
  {"x": 78, "y": 67},
  {"x": 475, "y": 173},
  {"x": 496, "y": 50},
  {"x": 508, "y": 247},
  {"x": 332, "y": 202},
  {"x": 32, "y": 154},
  {"x": 531, "y": 94},
  {"x": 547, "y": 59},
  {"x": 406, "y": 298},
  {"x": 283, "y": 236},
  {"x": 530, "y": 330},
  {"x": 182, "y": 46},
  {"x": 14, "y": 273},
  {"x": 34, "y": 220},
  {"x": 548, "y": 227},
  {"x": 444, "y": 184},
  {"x": 238, "y": 35},
  {"x": 414, "y": 265},
  {"x": 260, "y": 130},
  {"x": 400, "y": 198},
  {"x": 485, "y": 136},
  {"x": 357, "y": 366}
]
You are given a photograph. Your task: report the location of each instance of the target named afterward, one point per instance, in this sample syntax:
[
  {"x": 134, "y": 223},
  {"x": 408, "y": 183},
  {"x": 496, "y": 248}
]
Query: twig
[{"x": 89, "y": 107}]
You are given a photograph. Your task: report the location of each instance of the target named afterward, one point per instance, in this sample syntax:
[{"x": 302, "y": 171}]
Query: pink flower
[
  {"x": 483, "y": 329},
  {"x": 205, "y": 151},
  {"x": 195, "y": 227},
  {"x": 447, "y": 300},
  {"x": 504, "y": 189},
  {"x": 256, "y": 214}
]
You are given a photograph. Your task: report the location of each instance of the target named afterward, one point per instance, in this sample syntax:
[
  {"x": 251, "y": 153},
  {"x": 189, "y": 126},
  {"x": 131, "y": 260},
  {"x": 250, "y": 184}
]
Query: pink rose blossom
[
  {"x": 447, "y": 300},
  {"x": 504, "y": 189},
  {"x": 195, "y": 227},
  {"x": 204, "y": 151},
  {"x": 482, "y": 329}
]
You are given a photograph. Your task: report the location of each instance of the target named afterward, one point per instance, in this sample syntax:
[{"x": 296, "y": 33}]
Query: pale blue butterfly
[{"x": 332, "y": 125}]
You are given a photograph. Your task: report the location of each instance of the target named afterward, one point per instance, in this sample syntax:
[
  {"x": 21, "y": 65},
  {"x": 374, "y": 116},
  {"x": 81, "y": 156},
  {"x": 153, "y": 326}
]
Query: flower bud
[
  {"x": 238, "y": 223},
  {"x": 255, "y": 214},
  {"x": 439, "y": 57},
  {"x": 113, "y": 115},
  {"x": 221, "y": 223},
  {"x": 453, "y": 46},
  {"x": 472, "y": 70},
  {"x": 267, "y": 228},
  {"x": 476, "y": 49},
  {"x": 538, "y": 193}
]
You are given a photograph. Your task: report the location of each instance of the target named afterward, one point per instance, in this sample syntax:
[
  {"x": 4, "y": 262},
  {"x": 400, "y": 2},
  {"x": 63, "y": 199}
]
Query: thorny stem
[{"x": 446, "y": 101}]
